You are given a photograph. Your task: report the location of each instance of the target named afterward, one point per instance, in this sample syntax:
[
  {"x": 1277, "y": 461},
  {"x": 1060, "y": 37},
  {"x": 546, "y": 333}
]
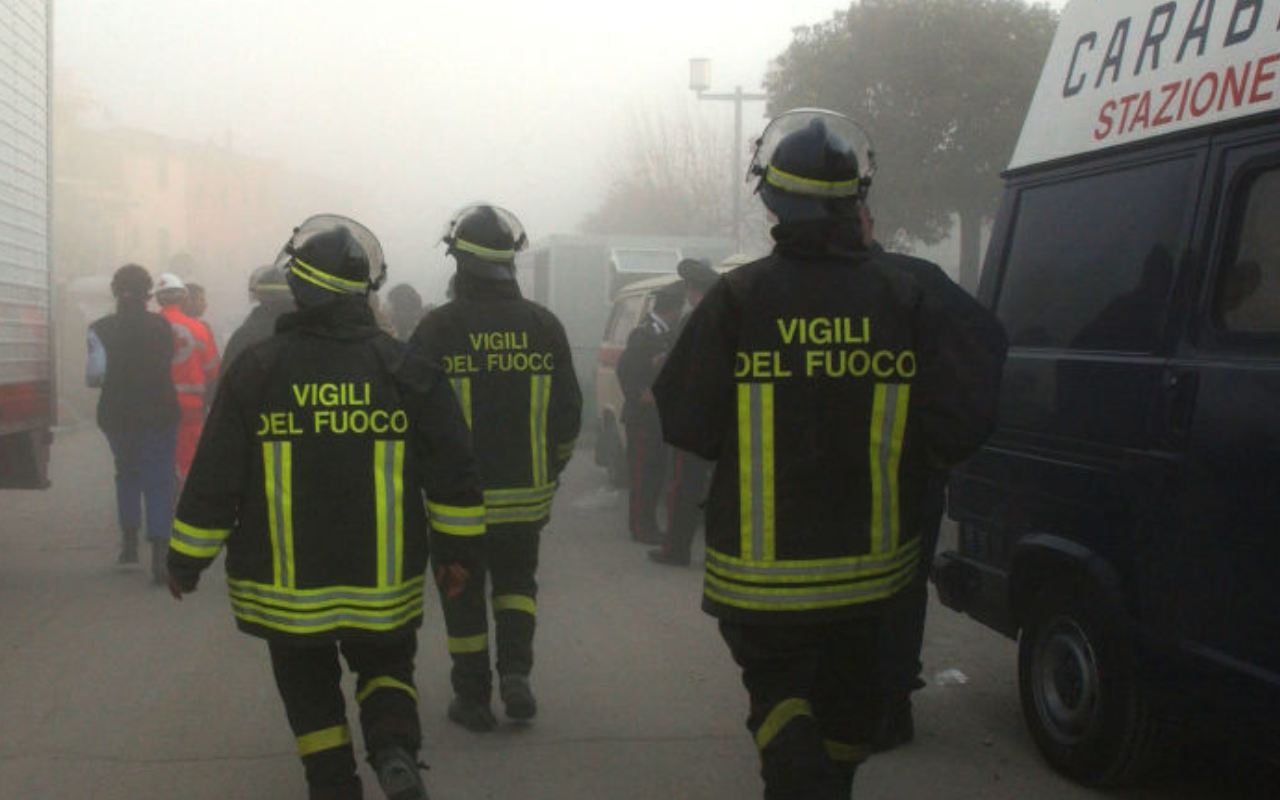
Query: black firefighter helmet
[
  {"x": 485, "y": 239},
  {"x": 812, "y": 164},
  {"x": 335, "y": 254}
]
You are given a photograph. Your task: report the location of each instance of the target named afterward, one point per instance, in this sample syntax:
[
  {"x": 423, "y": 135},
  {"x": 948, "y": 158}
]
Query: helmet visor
[
  {"x": 837, "y": 125},
  {"x": 322, "y": 223},
  {"x": 505, "y": 217}
]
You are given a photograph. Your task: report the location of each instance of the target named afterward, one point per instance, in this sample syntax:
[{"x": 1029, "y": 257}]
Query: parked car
[{"x": 1124, "y": 521}]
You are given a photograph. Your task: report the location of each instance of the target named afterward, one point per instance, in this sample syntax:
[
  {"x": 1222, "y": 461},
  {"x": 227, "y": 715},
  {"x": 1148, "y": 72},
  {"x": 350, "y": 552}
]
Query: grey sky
[{"x": 436, "y": 103}]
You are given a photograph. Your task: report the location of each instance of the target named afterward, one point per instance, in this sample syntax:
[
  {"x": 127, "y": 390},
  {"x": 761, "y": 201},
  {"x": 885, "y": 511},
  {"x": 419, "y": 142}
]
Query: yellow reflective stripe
[
  {"x": 330, "y": 597},
  {"x": 757, "y": 523},
  {"x": 819, "y": 571},
  {"x": 516, "y": 497},
  {"x": 746, "y": 504},
  {"x": 385, "y": 682},
  {"x": 327, "y": 739},
  {"x": 515, "y": 602},
  {"x": 539, "y": 399},
  {"x": 789, "y": 182},
  {"x": 324, "y": 280},
  {"x": 888, "y": 426},
  {"x": 469, "y": 644},
  {"x": 328, "y": 620},
  {"x": 497, "y": 516},
  {"x": 845, "y": 752},
  {"x": 487, "y": 253},
  {"x": 462, "y": 388},
  {"x": 779, "y": 717},
  {"x": 197, "y": 542},
  {"x": 457, "y": 520},
  {"x": 277, "y": 464},
  {"x": 388, "y": 484},
  {"x": 806, "y": 598}
]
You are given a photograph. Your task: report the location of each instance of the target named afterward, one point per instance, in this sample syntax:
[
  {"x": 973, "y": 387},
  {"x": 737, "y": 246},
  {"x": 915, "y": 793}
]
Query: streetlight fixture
[{"x": 700, "y": 82}]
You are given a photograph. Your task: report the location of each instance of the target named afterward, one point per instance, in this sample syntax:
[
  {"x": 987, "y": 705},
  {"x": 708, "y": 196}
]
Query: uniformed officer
[
  {"x": 269, "y": 289},
  {"x": 690, "y": 474},
  {"x": 311, "y": 472},
  {"x": 509, "y": 362},
  {"x": 638, "y": 366},
  {"x": 827, "y": 381}
]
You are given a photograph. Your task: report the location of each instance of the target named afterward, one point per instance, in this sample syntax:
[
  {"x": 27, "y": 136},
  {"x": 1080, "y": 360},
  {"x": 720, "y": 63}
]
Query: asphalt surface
[{"x": 111, "y": 690}]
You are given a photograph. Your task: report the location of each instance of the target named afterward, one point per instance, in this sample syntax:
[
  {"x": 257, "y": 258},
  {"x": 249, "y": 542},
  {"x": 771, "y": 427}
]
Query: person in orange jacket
[{"x": 194, "y": 368}]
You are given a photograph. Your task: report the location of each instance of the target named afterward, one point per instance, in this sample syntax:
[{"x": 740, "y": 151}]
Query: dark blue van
[{"x": 1124, "y": 521}]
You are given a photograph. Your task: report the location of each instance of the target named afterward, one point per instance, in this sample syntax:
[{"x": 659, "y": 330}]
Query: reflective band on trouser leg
[
  {"x": 277, "y": 468},
  {"x": 845, "y": 752},
  {"x": 755, "y": 470},
  {"x": 779, "y": 717},
  {"x": 461, "y": 645},
  {"x": 462, "y": 388},
  {"x": 888, "y": 426},
  {"x": 327, "y": 739},
  {"x": 385, "y": 682},
  {"x": 539, "y": 399},
  {"x": 388, "y": 483},
  {"x": 515, "y": 602}
]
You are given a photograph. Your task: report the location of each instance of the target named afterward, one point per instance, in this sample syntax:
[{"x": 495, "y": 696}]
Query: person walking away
[
  {"x": 406, "y": 310},
  {"x": 321, "y": 444},
  {"x": 269, "y": 290},
  {"x": 509, "y": 362},
  {"x": 690, "y": 475},
  {"x": 129, "y": 356},
  {"x": 194, "y": 368},
  {"x": 827, "y": 382},
  {"x": 647, "y": 348}
]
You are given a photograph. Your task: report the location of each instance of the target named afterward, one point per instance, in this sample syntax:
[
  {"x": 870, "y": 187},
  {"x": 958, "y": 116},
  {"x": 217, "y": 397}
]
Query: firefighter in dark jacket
[
  {"x": 509, "y": 363},
  {"x": 827, "y": 381},
  {"x": 646, "y": 350},
  {"x": 311, "y": 471},
  {"x": 270, "y": 291},
  {"x": 690, "y": 474}
]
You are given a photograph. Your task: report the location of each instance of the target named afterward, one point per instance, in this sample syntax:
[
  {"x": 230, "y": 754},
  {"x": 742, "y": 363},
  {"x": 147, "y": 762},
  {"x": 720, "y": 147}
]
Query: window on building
[{"x": 1093, "y": 258}]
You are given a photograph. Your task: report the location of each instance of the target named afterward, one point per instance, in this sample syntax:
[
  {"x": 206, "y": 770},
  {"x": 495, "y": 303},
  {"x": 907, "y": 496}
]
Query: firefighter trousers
[
  {"x": 511, "y": 565},
  {"x": 309, "y": 677},
  {"x": 815, "y": 702},
  {"x": 647, "y": 460}
]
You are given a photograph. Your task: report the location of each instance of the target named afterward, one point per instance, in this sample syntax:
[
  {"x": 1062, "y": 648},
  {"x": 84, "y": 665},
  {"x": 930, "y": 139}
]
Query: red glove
[{"x": 452, "y": 579}]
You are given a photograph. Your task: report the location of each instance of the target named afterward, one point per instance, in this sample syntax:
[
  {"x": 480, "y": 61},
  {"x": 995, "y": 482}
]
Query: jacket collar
[
  {"x": 819, "y": 239},
  {"x": 342, "y": 318},
  {"x": 469, "y": 287}
]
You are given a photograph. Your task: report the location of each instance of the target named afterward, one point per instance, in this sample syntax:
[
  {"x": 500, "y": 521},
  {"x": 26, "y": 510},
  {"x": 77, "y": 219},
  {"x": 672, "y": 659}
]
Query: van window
[
  {"x": 1092, "y": 260},
  {"x": 1247, "y": 297},
  {"x": 626, "y": 315}
]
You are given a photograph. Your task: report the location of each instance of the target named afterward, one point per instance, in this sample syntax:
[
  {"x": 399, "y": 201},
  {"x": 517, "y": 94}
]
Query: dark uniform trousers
[
  {"x": 647, "y": 459},
  {"x": 690, "y": 479},
  {"x": 815, "y": 702},
  {"x": 309, "y": 678},
  {"x": 511, "y": 561}
]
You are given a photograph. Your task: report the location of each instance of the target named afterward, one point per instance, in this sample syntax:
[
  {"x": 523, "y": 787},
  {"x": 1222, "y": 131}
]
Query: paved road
[{"x": 111, "y": 690}]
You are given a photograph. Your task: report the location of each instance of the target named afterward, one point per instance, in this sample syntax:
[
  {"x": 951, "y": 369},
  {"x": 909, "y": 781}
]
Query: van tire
[{"x": 1082, "y": 697}]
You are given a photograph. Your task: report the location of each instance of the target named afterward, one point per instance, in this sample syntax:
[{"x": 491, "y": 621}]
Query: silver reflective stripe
[
  {"x": 392, "y": 512},
  {"x": 188, "y": 539},
  {"x": 515, "y": 497},
  {"x": 334, "y": 619},
  {"x": 454, "y": 520},
  {"x": 276, "y": 456},
  {"x": 757, "y": 473},
  {"x": 888, "y": 425},
  {"x": 257, "y": 591},
  {"x": 817, "y": 597},
  {"x": 539, "y": 388}
]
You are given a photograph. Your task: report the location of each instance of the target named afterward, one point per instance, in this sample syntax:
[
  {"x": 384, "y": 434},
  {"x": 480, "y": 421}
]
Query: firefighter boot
[
  {"x": 159, "y": 552},
  {"x": 398, "y": 774},
  {"x": 517, "y": 696},
  {"x": 472, "y": 715},
  {"x": 128, "y": 547}
]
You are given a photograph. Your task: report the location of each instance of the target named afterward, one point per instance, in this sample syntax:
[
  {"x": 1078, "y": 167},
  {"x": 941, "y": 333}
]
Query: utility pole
[{"x": 700, "y": 82}]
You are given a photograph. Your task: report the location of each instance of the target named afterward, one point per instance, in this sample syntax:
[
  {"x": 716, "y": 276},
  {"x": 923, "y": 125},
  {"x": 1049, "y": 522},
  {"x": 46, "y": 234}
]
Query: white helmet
[{"x": 168, "y": 282}]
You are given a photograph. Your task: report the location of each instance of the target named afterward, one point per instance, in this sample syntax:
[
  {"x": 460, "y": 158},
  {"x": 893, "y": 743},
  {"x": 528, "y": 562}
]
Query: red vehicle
[{"x": 26, "y": 342}]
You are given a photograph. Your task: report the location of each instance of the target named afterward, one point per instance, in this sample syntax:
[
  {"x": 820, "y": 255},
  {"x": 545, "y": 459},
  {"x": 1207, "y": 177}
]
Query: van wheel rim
[{"x": 1066, "y": 682}]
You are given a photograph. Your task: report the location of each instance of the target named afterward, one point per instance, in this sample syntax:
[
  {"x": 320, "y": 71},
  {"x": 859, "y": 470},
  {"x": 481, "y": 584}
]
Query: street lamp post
[{"x": 700, "y": 82}]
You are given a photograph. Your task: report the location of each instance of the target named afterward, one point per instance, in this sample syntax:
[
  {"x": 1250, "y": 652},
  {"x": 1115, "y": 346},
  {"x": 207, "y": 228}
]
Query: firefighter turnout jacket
[
  {"x": 311, "y": 471},
  {"x": 825, "y": 386},
  {"x": 509, "y": 362}
]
